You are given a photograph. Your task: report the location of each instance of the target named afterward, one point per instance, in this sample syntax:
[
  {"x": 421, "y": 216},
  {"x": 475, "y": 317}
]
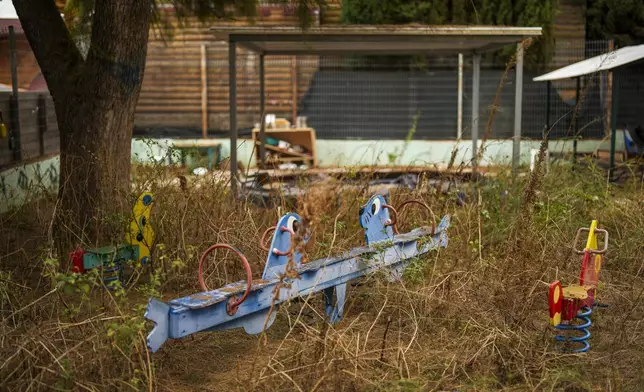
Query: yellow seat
[{"x": 576, "y": 292}]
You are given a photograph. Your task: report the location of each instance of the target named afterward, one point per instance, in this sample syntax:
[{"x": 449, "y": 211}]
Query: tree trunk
[{"x": 95, "y": 101}]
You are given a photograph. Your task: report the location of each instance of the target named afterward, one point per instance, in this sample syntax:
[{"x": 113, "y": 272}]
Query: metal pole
[
  {"x": 547, "y": 130},
  {"x": 262, "y": 122},
  {"x": 204, "y": 93},
  {"x": 613, "y": 123},
  {"x": 518, "y": 106},
  {"x": 476, "y": 81},
  {"x": 14, "y": 105},
  {"x": 459, "y": 110},
  {"x": 576, "y": 119},
  {"x": 42, "y": 122},
  {"x": 294, "y": 89},
  {"x": 232, "y": 90}
]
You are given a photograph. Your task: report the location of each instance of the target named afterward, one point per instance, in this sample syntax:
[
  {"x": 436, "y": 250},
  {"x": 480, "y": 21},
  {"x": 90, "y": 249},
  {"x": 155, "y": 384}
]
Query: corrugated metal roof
[
  {"x": 603, "y": 62},
  {"x": 368, "y": 39}
]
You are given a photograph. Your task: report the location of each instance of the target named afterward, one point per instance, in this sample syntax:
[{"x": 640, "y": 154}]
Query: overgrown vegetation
[
  {"x": 619, "y": 20},
  {"x": 473, "y": 317},
  {"x": 529, "y": 13}
]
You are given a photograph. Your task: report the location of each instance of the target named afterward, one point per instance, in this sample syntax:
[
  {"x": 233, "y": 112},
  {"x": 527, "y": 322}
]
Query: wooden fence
[
  {"x": 38, "y": 136},
  {"x": 186, "y": 77}
]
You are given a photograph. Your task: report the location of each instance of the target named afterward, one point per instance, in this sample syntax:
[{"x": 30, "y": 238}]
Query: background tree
[
  {"x": 619, "y": 20},
  {"x": 95, "y": 94},
  {"x": 528, "y": 13}
]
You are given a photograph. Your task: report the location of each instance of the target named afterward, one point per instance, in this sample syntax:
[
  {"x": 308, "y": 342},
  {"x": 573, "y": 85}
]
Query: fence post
[
  {"x": 232, "y": 109},
  {"x": 459, "y": 108},
  {"x": 42, "y": 122},
  {"x": 204, "y": 93},
  {"x": 613, "y": 124},
  {"x": 476, "y": 81},
  {"x": 14, "y": 107},
  {"x": 294, "y": 89},
  {"x": 518, "y": 109}
]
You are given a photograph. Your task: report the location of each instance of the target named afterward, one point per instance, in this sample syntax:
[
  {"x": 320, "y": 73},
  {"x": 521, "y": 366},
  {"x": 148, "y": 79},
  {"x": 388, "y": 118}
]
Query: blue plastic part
[
  {"x": 147, "y": 200},
  {"x": 374, "y": 218},
  {"x": 584, "y": 316},
  {"x": 157, "y": 312},
  {"x": 207, "y": 311}
]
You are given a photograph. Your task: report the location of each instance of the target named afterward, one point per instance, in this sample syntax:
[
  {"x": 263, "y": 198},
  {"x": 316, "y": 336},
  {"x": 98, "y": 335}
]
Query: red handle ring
[
  {"x": 277, "y": 252},
  {"x": 262, "y": 241},
  {"x": 394, "y": 216},
  {"x": 233, "y": 303},
  {"x": 422, "y": 204}
]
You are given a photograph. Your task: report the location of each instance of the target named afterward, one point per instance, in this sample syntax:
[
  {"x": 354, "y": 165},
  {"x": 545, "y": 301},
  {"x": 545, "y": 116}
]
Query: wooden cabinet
[{"x": 304, "y": 137}]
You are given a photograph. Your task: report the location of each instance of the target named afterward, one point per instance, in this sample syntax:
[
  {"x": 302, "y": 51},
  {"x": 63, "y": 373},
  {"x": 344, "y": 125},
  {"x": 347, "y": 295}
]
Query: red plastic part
[
  {"x": 277, "y": 252},
  {"x": 555, "y": 301},
  {"x": 77, "y": 260},
  {"x": 584, "y": 268},
  {"x": 570, "y": 308}
]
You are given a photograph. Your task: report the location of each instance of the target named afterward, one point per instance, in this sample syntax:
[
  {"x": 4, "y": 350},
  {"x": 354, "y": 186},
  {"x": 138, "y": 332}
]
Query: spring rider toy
[
  {"x": 252, "y": 303},
  {"x": 139, "y": 240},
  {"x": 571, "y": 306}
]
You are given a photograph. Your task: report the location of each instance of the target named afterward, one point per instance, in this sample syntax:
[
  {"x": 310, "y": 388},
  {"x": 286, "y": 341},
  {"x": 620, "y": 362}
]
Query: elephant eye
[
  {"x": 292, "y": 224},
  {"x": 375, "y": 207}
]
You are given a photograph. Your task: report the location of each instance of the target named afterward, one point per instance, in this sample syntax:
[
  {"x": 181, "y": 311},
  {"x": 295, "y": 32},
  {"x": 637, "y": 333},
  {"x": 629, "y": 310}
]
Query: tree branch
[{"x": 51, "y": 42}]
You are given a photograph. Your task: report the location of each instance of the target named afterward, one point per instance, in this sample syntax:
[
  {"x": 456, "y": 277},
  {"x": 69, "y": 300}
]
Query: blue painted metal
[
  {"x": 276, "y": 261},
  {"x": 206, "y": 311},
  {"x": 374, "y": 219},
  {"x": 586, "y": 322}
]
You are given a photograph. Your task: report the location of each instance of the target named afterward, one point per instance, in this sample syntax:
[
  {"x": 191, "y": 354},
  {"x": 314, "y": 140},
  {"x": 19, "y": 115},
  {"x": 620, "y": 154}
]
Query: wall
[
  {"x": 34, "y": 144},
  {"x": 171, "y": 94},
  {"x": 377, "y": 152},
  {"x": 28, "y": 182},
  {"x": 27, "y": 65}
]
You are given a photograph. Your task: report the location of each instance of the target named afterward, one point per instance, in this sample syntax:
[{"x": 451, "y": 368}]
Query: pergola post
[
  {"x": 232, "y": 92},
  {"x": 546, "y": 131},
  {"x": 518, "y": 106},
  {"x": 476, "y": 82},
  {"x": 613, "y": 124},
  {"x": 576, "y": 119},
  {"x": 14, "y": 102},
  {"x": 262, "y": 122},
  {"x": 459, "y": 108}
]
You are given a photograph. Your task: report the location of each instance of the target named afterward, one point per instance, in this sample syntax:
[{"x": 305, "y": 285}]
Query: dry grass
[{"x": 473, "y": 317}]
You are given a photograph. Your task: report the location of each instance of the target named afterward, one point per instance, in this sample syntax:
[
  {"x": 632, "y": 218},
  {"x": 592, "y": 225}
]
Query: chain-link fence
[
  {"x": 374, "y": 100},
  {"x": 364, "y": 98},
  {"x": 629, "y": 81}
]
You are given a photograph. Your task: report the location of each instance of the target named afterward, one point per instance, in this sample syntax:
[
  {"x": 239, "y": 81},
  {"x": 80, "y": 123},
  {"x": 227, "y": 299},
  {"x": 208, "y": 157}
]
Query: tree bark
[{"x": 95, "y": 101}]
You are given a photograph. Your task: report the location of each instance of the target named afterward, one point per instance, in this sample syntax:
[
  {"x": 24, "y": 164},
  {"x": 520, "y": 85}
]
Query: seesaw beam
[{"x": 207, "y": 311}]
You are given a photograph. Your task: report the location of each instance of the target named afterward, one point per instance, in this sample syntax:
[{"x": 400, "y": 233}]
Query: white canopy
[
  {"x": 603, "y": 62},
  {"x": 7, "y": 11}
]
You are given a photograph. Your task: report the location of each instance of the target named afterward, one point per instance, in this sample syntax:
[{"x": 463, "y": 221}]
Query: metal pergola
[{"x": 372, "y": 40}]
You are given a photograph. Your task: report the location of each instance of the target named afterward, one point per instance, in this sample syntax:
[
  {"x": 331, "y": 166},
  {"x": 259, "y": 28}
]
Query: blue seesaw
[{"x": 252, "y": 304}]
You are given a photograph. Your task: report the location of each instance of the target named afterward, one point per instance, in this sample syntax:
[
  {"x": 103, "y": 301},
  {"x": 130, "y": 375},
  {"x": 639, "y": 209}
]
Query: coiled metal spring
[
  {"x": 111, "y": 273},
  {"x": 584, "y": 317}
]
